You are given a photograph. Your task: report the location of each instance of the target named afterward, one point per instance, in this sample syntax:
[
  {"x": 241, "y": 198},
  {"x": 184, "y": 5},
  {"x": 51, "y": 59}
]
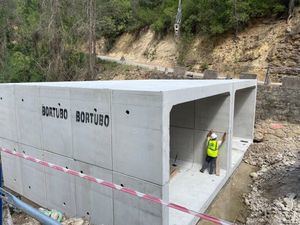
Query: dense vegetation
[{"x": 46, "y": 39}]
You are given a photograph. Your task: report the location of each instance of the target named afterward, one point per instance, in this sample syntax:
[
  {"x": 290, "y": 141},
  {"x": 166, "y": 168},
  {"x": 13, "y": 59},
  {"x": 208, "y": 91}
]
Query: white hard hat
[{"x": 213, "y": 136}]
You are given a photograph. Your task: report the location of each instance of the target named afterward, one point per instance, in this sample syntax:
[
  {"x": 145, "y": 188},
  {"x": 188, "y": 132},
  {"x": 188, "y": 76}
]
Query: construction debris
[
  {"x": 20, "y": 218},
  {"x": 75, "y": 221},
  {"x": 54, "y": 214},
  {"x": 23, "y": 219},
  {"x": 275, "y": 195}
]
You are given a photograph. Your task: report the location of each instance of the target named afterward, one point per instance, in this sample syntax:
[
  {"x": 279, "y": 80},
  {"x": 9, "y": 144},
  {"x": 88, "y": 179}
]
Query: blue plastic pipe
[{"x": 29, "y": 210}]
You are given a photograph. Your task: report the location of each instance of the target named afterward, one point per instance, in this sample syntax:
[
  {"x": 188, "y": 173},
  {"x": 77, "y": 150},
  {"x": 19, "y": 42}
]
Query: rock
[
  {"x": 258, "y": 137},
  {"x": 289, "y": 201},
  {"x": 247, "y": 202},
  {"x": 262, "y": 170},
  {"x": 254, "y": 175},
  {"x": 280, "y": 133},
  {"x": 279, "y": 205},
  {"x": 74, "y": 221},
  {"x": 279, "y": 157}
]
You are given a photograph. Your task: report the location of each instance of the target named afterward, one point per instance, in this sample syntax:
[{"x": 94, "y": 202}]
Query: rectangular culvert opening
[{"x": 190, "y": 123}]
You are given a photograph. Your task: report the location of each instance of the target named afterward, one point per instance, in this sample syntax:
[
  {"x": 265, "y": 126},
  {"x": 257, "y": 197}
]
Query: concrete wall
[
  {"x": 57, "y": 124},
  {"x": 278, "y": 103},
  {"x": 136, "y": 116},
  {"x": 12, "y": 177},
  {"x": 244, "y": 113},
  {"x": 7, "y": 113},
  {"x": 190, "y": 123}
]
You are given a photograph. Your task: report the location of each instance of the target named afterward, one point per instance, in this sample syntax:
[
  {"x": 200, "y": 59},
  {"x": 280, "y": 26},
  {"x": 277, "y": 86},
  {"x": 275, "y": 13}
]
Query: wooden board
[
  {"x": 218, "y": 167},
  {"x": 173, "y": 171}
]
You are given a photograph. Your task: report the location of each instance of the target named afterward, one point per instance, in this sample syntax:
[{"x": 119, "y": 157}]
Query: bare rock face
[{"x": 284, "y": 60}]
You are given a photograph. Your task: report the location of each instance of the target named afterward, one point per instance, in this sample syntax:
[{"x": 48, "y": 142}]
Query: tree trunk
[
  {"x": 92, "y": 39},
  {"x": 55, "y": 70},
  {"x": 291, "y": 9},
  {"x": 2, "y": 48},
  {"x": 3, "y": 33}
]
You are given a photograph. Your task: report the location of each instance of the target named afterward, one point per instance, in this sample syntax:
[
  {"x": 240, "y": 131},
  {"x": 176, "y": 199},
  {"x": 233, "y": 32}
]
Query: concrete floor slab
[
  {"x": 241, "y": 144},
  {"x": 194, "y": 190},
  {"x": 239, "y": 147},
  {"x": 237, "y": 157}
]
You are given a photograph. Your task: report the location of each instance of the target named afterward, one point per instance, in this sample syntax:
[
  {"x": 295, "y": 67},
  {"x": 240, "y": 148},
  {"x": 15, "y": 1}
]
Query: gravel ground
[{"x": 275, "y": 193}]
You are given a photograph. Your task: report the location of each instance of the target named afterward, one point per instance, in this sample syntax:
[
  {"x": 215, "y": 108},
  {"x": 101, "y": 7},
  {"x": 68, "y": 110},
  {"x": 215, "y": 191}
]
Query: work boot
[{"x": 202, "y": 170}]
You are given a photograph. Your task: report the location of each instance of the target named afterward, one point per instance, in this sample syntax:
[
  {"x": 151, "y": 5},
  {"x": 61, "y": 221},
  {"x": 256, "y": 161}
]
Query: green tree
[{"x": 48, "y": 40}]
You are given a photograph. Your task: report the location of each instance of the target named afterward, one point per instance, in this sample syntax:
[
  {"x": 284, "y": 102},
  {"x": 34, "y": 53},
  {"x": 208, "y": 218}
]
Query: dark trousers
[{"x": 211, "y": 163}]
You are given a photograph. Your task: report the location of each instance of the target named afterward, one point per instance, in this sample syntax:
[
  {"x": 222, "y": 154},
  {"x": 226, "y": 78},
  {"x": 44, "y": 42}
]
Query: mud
[{"x": 229, "y": 204}]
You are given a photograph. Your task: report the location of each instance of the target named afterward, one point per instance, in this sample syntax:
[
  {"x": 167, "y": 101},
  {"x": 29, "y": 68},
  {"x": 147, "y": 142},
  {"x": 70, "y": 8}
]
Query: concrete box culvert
[{"x": 129, "y": 133}]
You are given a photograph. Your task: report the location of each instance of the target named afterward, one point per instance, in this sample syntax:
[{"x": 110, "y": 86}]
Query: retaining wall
[{"x": 278, "y": 103}]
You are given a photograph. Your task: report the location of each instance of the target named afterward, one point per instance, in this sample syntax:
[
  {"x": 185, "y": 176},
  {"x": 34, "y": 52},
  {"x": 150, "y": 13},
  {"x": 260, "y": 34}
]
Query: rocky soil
[{"x": 275, "y": 193}]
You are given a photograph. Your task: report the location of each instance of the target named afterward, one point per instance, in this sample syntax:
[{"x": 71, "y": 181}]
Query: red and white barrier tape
[{"x": 118, "y": 187}]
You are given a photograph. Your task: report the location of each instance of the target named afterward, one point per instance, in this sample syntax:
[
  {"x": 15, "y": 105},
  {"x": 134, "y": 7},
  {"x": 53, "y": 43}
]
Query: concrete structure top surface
[{"x": 144, "y": 85}]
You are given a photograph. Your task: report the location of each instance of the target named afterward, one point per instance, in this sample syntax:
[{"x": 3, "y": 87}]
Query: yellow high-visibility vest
[{"x": 212, "y": 148}]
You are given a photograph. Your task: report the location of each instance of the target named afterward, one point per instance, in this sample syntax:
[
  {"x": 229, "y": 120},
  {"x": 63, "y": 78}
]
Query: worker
[{"x": 212, "y": 152}]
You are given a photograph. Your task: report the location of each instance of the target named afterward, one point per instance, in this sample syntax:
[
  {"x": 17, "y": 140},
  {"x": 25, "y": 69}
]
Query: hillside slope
[{"x": 264, "y": 43}]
